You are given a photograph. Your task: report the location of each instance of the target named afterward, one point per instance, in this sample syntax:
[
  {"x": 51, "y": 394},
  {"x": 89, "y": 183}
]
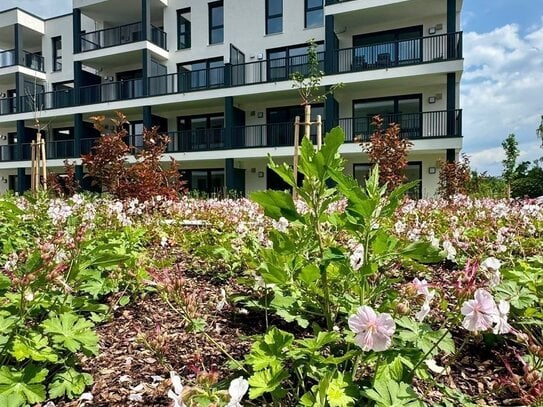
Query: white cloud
[{"x": 502, "y": 90}]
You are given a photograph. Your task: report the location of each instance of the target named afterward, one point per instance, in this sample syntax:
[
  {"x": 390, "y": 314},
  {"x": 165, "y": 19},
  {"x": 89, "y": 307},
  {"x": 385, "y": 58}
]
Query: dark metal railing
[
  {"x": 377, "y": 56},
  {"x": 159, "y": 37},
  {"x": 123, "y": 34},
  {"x": 34, "y": 61},
  {"x": 8, "y": 105},
  {"x": 425, "y": 125},
  {"x": 422, "y": 125},
  {"x": 391, "y": 54},
  {"x": 59, "y": 149},
  {"x": 7, "y": 58},
  {"x": 331, "y": 2},
  {"x": 110, "y": 37},
  {"x": 111, "y": 91},
  {"x": 30, "y": 60}
]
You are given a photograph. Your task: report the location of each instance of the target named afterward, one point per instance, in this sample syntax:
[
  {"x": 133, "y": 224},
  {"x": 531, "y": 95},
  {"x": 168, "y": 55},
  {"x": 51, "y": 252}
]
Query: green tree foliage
[{"x": 510, "y": 147}]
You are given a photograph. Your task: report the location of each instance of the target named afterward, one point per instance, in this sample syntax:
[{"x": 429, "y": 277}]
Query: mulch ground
[{"x": 146, "y": 339}]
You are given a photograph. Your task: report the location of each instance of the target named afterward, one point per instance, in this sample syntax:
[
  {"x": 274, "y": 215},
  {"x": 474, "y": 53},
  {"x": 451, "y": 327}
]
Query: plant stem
[{"x": 188, "y": 319}]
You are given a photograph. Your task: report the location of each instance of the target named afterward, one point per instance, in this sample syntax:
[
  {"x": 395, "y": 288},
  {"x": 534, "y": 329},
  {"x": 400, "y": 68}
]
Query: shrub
[
  {"x": 146, "y": 178},
  {"x": 388, "y": 150},
  {"x": 454, "y": 177}
]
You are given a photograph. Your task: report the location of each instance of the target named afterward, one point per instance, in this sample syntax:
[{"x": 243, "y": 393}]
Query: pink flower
[
  {"x": 481, "y": 312},
  {"x": 421, "y": 286},
  {"x": 373, "y": 330}
]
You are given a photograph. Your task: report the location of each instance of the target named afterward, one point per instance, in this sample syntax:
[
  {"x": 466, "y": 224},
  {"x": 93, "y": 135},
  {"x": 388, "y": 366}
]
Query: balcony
[
  {"x": 30, "y": 60},
  {"x": 120, "y": 35},
  {"x": 416, "y": 51},
  {"x": 413, "y": 126}
]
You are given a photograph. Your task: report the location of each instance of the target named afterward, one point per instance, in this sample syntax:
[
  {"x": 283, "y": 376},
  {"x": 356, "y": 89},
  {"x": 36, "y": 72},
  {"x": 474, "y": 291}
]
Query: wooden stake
[
  {"x": 319, "y": 132},
  {"x": 44, "y": 165},
  {"x": 295, "y": 157},
  {"x": 307, "y": 121},
  {"x": 33, "y": 166}
]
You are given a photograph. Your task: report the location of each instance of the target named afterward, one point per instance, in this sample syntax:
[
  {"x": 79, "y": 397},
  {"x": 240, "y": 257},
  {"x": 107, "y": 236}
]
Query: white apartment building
[{"x": 215, "y": 75}]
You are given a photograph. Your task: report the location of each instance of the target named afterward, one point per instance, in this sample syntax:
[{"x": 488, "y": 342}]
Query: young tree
[
  {"x": 389, "y": 151},
  {"x": 454, "y": 177},
  {"x": 510, "y": 147}
]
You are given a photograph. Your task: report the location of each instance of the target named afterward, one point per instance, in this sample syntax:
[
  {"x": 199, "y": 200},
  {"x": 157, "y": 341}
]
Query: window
[
  {"x": 57, "y": 53},
  {"x": 201, "y": 133},
  {"x": 413, "y": 172},
  {"x": 201, "y": 74},
  {"x": 404, "y": 110},
  {"x": 314, "y": 13},
  {"x": 206, "y": 181},
  {"x": 280, "y": 120},
  {"x": 183, "y": 28},
  {"x": 388, "y": 48},
  {"x": 216, "y": 22},
  {"x": 283, "y": 62},
  {"x": 274, "y": 16}
]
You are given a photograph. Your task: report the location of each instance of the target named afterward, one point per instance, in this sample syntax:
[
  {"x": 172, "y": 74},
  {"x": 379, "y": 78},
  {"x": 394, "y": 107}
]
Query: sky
[{"x": 502, "y": 83}]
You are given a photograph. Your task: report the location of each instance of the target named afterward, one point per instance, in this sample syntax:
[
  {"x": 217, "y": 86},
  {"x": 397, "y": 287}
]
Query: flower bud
[{"x": 403, "y": 308}]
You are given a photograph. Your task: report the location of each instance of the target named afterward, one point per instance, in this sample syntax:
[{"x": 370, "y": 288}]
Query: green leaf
[
  {"x": 35, "y": 347},
  {"x": 12, "y": 400},
  {"x": 388, "y": 393},
  {"x": 70, "y": 383},
  {"x": 125, "y": 299},
  {"x": 337, "y": 392},
  {"x": 72, "y": 332},
  {"x": 423, "y": 252},
  {"x": 276, "y": 204},
  {"x": 24, "y": 383},
  {"x": 267, "y": 381},
  {"x": 310, "y": 274}
]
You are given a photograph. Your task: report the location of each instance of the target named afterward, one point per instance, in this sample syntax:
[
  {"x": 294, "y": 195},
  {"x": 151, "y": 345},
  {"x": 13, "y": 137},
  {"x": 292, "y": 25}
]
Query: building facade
[{"x": 215, "y": 76}]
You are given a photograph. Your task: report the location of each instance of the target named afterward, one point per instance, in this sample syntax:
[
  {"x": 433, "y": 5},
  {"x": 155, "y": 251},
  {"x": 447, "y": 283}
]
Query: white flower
[
  {"x": 238, "y": 388},
  {"x": 357, "y": 257},
  {"x": 425, "y": 309},
  {"x": 450, "y": 250},
  {"x": 281, "y": 225},
  {"x": 176, "y": 393},
  {"x": 502, "y": 326},
  {"x": 223, "y": 302},
  {"x": 135, "y": 397},
  {"x": 86, "y": 397},
  {"x": 492, "y": 266}
]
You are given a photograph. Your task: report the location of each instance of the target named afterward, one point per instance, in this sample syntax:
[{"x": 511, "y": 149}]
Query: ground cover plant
[{"x": 348, "y": 296}]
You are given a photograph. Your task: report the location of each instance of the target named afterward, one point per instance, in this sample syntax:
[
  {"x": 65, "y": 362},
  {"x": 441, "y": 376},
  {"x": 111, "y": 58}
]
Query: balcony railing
[
  {"x": 423, "y": 125},
  {"x": 332, "y": 2},
  {"x": 415, "y": 51},
  {"x": 123, "y": 34},
  {"x": 34, "y": 61},
  {"x": 386, "y": 55},
  {"x": 30, "y": 60}
]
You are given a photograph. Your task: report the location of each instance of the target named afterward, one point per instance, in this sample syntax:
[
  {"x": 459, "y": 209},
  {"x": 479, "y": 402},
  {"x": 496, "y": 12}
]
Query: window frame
[
  {"x": 185, "y": 22},
  {"x": 308, "y": 9},
  {"x": 57, "y": 59},
  {"x": 273, "y": 16},
  {"x": 212, "y": 28}
]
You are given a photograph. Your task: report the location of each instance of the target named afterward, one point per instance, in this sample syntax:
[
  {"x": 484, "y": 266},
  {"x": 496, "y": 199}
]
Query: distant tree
[
  {"x": 510, "y": 147},
  {"x": 529, "y": 186}
]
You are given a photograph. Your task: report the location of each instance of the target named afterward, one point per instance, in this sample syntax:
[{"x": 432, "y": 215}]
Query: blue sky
[{"x": 502, "y": 85}]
